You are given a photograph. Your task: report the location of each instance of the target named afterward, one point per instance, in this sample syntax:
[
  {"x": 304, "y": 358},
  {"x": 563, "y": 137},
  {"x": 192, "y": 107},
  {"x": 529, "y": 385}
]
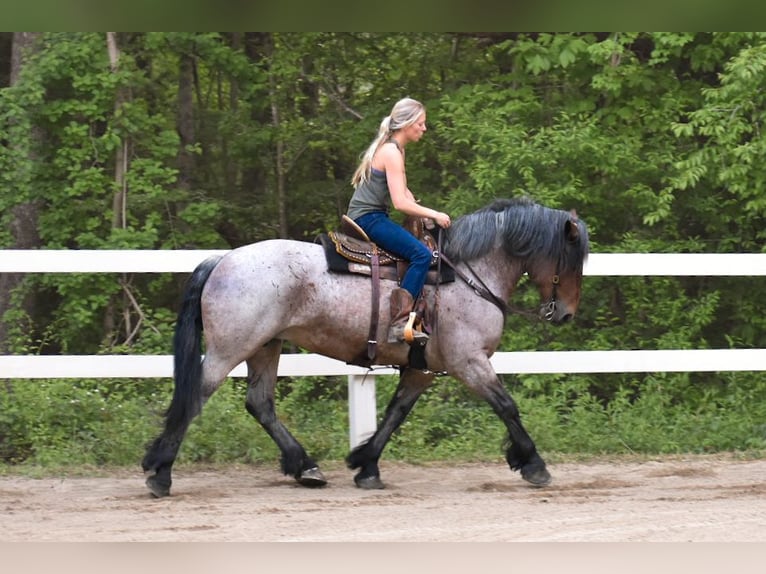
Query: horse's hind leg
[
  {"x": 262, "y": 379},
  {"x": 163, "y": 451},
  {"x": 365, "y": 457}
]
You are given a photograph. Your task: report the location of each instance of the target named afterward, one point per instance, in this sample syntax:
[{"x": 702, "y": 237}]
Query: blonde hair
[{"x": 404, "y": 113}]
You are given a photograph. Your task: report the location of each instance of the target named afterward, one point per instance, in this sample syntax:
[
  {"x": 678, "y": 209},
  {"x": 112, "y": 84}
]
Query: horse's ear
[
  {"x": 573, "y": 213},
  {"x": 572, "y": 230}
]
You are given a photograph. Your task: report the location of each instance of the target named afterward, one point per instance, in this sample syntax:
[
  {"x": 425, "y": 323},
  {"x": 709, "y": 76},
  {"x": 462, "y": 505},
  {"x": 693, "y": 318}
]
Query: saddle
[{"x": 350, "y": 250}]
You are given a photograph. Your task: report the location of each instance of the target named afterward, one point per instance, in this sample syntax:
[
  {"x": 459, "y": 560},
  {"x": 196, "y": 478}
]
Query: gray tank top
[{"x": 370, "y": 196}]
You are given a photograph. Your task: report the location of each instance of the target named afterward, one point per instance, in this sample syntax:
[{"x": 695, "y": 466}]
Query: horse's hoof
[
  {"x": 312, "y": 477},
  {"x": 158, "y": 490},
  {"x": 369, "y": 482},
  {"x": 537, "y": 477}
]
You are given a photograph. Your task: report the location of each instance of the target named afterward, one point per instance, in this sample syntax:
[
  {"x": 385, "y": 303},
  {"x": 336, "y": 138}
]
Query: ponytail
[{"x": 362, "y": 172}]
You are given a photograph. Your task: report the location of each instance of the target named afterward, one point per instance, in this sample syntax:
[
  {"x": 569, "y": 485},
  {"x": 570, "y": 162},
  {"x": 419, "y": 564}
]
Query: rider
[{"x": 380, "y": 181}]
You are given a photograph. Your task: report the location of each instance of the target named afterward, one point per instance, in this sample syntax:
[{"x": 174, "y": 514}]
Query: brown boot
[{"x": 403, "y": 319}]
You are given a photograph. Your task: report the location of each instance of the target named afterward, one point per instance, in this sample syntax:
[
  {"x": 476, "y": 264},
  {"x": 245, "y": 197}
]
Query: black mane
[{"x": 523, "y": 228}]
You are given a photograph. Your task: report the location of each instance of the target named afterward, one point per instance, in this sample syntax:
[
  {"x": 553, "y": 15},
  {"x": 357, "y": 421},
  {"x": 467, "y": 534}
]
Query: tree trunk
[
  {"x": 6, "y": 46},
  {"x": 24, "y": 216},
  {"x": 229, "y": 166},
  {"x": 185, "y": 121},
  {"x": 119, "y": 201},
  {"x": 280, "y": 151},
  {"x": 280, "y": 168}
]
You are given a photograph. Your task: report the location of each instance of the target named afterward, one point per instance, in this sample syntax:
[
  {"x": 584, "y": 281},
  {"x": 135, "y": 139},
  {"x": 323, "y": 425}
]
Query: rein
[
  {"x": 546, "y": 311},
  {"x": 479, "y": 288}
]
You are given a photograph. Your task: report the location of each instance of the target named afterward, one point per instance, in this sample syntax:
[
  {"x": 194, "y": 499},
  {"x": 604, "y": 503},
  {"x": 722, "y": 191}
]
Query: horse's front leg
[
  {"x": 365, "y": 457},
  {"x": 262, "y": 378},
  {"x": 521, "y": 452}
]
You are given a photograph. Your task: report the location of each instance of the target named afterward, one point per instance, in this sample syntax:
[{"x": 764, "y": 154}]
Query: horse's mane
[{"x": 522, "y": 227}]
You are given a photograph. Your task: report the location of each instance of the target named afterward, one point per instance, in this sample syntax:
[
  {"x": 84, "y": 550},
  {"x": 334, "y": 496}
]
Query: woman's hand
[{"x": 442, "y": 219}]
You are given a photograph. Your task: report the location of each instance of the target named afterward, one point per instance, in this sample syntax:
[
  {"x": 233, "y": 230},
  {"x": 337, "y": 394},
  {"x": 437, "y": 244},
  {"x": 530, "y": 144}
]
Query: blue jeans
[{"x": 394, "y": 238}]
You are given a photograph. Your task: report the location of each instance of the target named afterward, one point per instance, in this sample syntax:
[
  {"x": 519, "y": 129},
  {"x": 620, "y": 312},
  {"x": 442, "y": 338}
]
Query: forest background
[{"x": 214, "y": 140}]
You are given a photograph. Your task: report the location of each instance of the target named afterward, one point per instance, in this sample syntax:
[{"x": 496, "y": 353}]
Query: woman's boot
[{"x": 402, "y": 327}]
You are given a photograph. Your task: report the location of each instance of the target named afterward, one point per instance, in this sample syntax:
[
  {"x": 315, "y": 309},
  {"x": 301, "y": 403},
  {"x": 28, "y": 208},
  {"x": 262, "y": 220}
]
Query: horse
[{"x": 247, "y": 302}]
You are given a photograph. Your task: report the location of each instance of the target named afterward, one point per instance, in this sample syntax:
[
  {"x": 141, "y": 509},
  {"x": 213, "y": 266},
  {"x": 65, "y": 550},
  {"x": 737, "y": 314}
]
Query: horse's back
[
  {"x": 264, "y": 262},
  {"x": 271, "y": 251},
  {"x": 282, "y": 289}
]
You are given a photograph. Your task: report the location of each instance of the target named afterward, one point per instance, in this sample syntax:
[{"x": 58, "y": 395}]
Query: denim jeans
[{"x": 394, "y": 238}]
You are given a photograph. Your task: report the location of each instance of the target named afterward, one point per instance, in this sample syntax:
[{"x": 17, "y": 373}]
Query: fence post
[{"x": 362, "y": 409}]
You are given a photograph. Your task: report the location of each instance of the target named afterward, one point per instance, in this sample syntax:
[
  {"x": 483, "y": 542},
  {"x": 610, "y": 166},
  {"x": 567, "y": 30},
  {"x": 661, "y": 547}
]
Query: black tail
[
  {"x": 187, "y": 347},
  {"x": 187, "y": 370}
]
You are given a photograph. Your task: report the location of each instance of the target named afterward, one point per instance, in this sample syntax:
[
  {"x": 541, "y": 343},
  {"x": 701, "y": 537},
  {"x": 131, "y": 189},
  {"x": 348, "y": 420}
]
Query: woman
[{"x": 380, "y": 181}]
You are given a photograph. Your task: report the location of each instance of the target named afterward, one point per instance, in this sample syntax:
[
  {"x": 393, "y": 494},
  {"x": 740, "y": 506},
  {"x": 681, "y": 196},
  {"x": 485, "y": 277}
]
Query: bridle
[{"x": 547, "y": 310}]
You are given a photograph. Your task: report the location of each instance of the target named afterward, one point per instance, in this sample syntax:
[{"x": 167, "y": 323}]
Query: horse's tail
[
  {"x": 187, "y": 393},
  {"x": 187, "y": 347}
]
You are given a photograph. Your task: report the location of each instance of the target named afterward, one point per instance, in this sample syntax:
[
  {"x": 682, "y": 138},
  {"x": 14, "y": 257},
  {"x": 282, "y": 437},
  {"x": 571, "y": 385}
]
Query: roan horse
[{"x": 255, "y": 297}]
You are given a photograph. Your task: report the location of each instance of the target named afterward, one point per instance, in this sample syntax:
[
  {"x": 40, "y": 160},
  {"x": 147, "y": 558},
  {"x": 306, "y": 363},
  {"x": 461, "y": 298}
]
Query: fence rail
[
  {"x": 361, "y": 382},
  {"x": 305, "y": 365},
  {"x": 185, "y": 260}
]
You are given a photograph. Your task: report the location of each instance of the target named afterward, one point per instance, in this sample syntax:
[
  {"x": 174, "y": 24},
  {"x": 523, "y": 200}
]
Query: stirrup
[{"x": 412, "y": 335}]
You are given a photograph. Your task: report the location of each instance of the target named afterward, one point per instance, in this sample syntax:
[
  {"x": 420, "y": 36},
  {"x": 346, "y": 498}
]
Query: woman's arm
[{"x": 401, "y": 197}]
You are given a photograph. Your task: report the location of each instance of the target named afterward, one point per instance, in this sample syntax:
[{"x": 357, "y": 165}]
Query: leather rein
[{"x": 547, "y": 310}]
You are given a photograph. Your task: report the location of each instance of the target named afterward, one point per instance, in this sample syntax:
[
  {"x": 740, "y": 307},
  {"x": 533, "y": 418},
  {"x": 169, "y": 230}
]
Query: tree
[{"x": 22, "y": 138}]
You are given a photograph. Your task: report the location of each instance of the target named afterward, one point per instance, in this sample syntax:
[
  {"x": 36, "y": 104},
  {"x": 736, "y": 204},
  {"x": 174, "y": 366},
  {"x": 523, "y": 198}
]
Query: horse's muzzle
[{"x": 553, "y": 313}]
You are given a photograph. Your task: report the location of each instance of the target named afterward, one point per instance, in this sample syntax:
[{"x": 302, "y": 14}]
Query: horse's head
[
  {"x": 559, "y": 276},
  {"x": 550, "y": 245}
]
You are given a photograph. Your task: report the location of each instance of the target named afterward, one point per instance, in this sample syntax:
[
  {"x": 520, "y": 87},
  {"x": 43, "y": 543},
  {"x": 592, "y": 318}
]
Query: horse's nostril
[{"x": 566, "y": 318}]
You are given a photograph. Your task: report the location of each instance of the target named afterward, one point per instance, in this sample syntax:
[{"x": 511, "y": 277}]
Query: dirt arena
[{"x": 710, "y": 498}]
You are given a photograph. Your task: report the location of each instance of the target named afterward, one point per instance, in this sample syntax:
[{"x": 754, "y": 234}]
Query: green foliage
[
  {"x": 87, "y": 423},
  {"x": 61, "y": 422}
]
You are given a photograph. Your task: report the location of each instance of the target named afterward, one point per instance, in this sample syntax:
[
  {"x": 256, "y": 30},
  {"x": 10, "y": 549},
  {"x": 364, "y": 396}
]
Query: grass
[{"x": 82, "y": 428}]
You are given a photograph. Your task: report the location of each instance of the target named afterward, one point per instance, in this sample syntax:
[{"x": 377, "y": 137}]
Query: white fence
[{"x": 361, "y": 382}]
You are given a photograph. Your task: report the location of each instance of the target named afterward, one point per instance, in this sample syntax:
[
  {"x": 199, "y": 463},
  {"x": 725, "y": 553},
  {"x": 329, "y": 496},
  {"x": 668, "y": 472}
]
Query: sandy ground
[{"x": 702, "y": 499}]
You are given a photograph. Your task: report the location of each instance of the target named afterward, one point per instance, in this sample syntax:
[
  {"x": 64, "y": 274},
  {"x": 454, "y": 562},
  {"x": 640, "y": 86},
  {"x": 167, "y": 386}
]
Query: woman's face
[{"x": 415, "y": 131}]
